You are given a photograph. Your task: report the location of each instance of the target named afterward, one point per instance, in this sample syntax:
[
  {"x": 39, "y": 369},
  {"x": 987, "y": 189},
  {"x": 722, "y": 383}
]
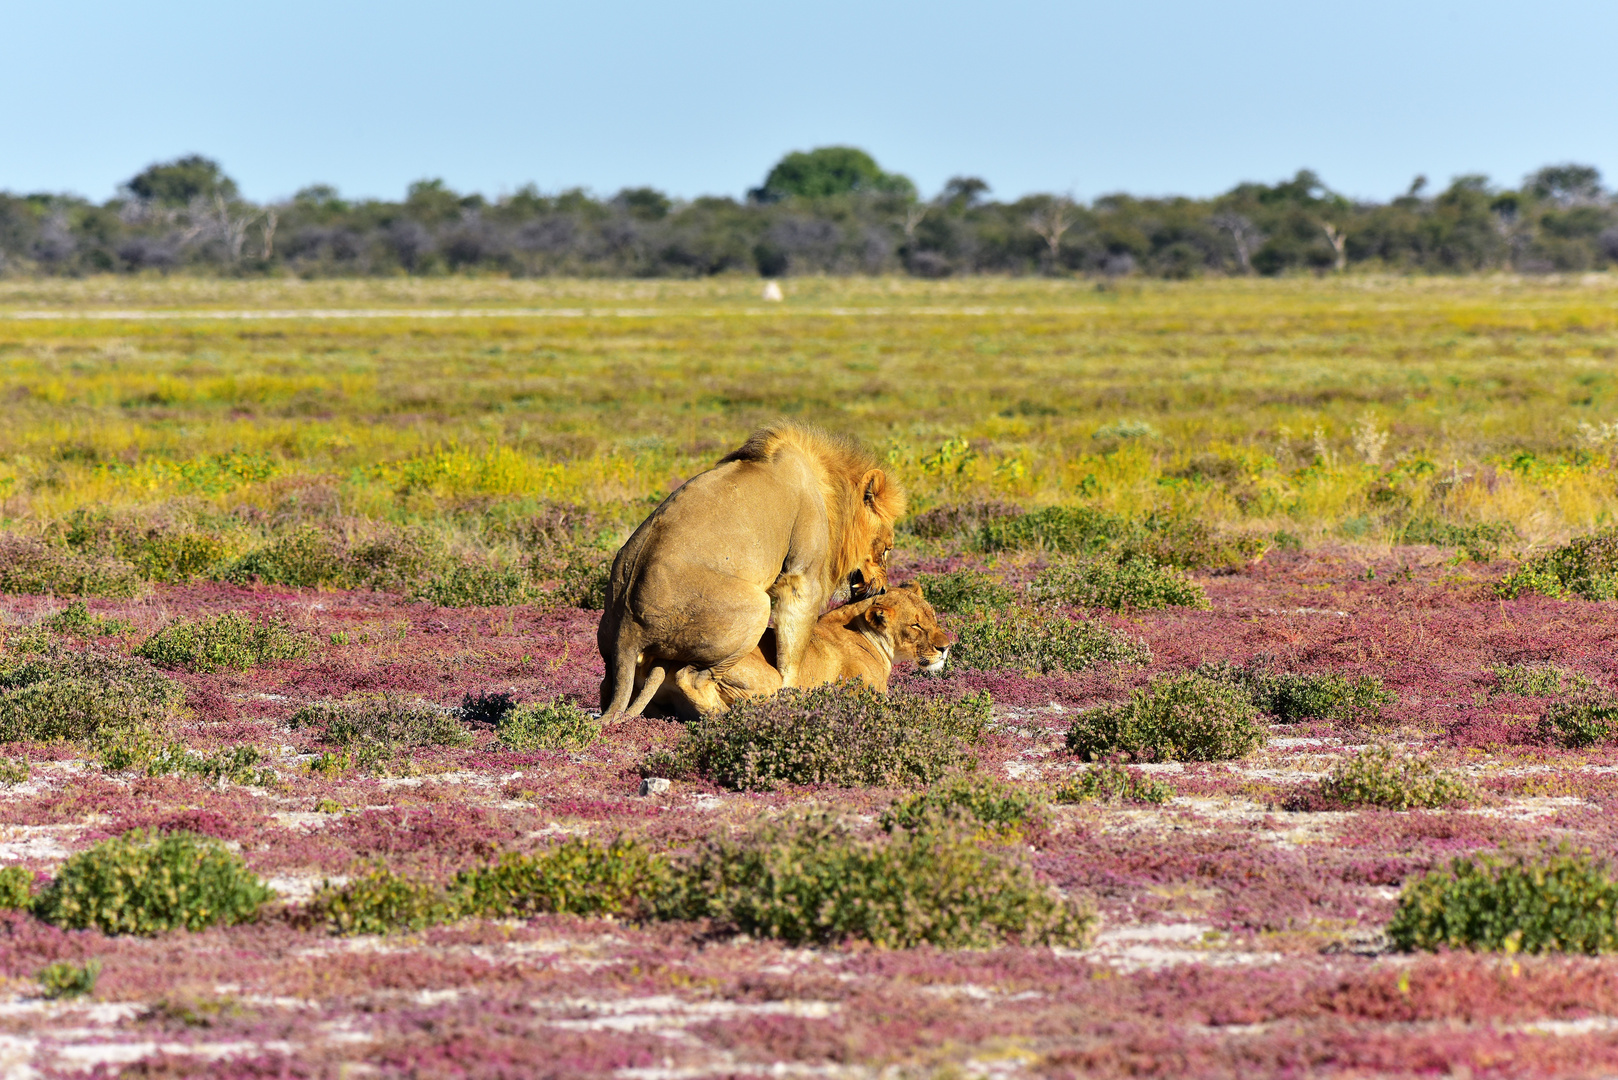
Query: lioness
[
  {"x": 791, "y": 517},
  {"x": 860, "y": 640}
]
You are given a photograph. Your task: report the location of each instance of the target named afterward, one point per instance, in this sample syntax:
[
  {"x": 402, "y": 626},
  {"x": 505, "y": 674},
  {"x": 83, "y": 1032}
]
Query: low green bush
[
  {"x": 557, "y": 724},
  {"x": 579, "y": 576},
  {"x": 380, "y": 902},
  {"x": 1070, "y": 530},
  {"x": 237, "y": 765},
  {"x": 144, "y": 883},
  {"x": 1295, "y": 696},
  {"x": 578, "y": 877},
  {"x": 160, "y": 548},
  {"x": 63, "y": 980},
  {"x": 14, "y": 771},
  {"x": 814, "y": 882},
  {"x": 961, "y": 523},
  {"x": 1106, "y": 581},
  {"x": 487, "y": 708},
  {"x": 75, "y": 620},
  {"x": 962, "y": 592},
  {"x": 29, "y": 565},
  {"x": 1392, "y": 779},
  {"x": 77, "y": 695},
  {"x": 1187, "y": 717},
  {"x": 475, "y": 586},
  {"x": 1540, "y": 680},
  {"x": 228, "y": 641},
  {"x": 968, "y": 799},
  {"x": 1043, "y": 642},
  {"x": 388, "y": 721},
  {"x": 1555, "y": 902},
  {"x": 843, "y": 733},
  {"x": 1480, "y": 541},
  {"x": 308, "y": 556},
  {"x": 16, "y": 888},
  {"x": 1585, "y": 567},
  {"x": 1580, "y": 721},
  {"x": 1113, "y": 784}
]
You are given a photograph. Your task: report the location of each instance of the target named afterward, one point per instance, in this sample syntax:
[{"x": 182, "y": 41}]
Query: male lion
[
  {"x": 791, "y": 517},
  {"x": 859, "y": 640}
]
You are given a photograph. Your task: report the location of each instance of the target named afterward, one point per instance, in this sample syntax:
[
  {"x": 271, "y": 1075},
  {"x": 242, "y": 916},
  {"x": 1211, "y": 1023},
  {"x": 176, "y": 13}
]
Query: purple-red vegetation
[{"x": 1291, "y": 982}]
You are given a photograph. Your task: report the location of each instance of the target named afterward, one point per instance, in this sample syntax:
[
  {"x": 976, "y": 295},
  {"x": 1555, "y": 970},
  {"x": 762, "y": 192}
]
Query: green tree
[
  {"x": 829, "y": 171},
  {"x": 177, "y": 182}
]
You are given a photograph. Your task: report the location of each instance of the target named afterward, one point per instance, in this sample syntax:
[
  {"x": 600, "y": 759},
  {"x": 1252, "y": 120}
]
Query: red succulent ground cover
[{"x": 1238, "y": 938}]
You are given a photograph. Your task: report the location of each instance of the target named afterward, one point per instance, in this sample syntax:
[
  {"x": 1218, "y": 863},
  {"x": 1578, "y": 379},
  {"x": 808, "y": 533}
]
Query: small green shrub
[
  {"x": 1540, "y": 680},
  {"x": 577, "y": 876},
  {"x": 1386, "y": 777},
  {"x": 380, "y": 902},
  {"x": 959, "y": 522},
  {"x": 487, "y": 708},
  {"x": 1113, "y": 784},
  {"x": 383, "y": 720},
  {"x": 1118, "y": 584},
  {"x": 90, "y": 694},
  {"x": 1071, "y": 530},
  {"x": 1187, "y": 717},
  {"x": 160, "y": 549},
  {"x": 14, "y": 771},
  {"x": 1586, "y": 567},
  {"x": 63, "y": 980},
  {"x": 1580, "y": 721},
  {"x": 967, "y": 799},
  {"x": 962, "y": 592},
  {"x": 143, "y": 883},
  {"x": 1019, "y": 639},
  {"x": 1480, "y": 541},
  {"x": 75, "y": 620},
  {"x": 1295, "y": 696},
  {"x": 1189, "y": 544},
  {"x": 29, "y": 565},
  {"x": 308, "y": 556},
  {"x": 580, "y": 577},
  {"x": 475, "y": 586},
  {"x": 1558, "y": 902},
  {"x": 814, "y": 882},
  {"x": 844, "y": 733},
  {"x": 16, "y": 888},
  {"x": 237, "y": 765},
  {"x": 231, "y": 640},
  {"x": 557, "y": 724}
]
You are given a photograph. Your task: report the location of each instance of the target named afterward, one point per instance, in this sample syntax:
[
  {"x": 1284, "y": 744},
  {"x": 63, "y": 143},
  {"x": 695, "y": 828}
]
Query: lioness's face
[
  {"x": 870, "y": 576},
  {"x": 912, "y": 625}
]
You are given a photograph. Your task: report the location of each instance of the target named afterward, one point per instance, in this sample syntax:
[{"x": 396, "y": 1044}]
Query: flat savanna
[{"x": 313, "y": 569}]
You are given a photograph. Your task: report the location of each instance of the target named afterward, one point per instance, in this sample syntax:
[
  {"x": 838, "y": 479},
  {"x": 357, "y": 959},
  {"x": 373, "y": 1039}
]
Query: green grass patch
[
  {"x": 384, "y": 722},
  {"x": 1113, "y": 784},
  {"x": 1187, "y": 717},
  {"x": 1558, "y": 902},
  {"x": 962, "y": 592},
  {"x": 1138, "y": 583},
  {"x": 144, "y": 883},
  {"x": 557, "y": 724},
  {"x": 476, "y": 586},
  {"x": 1041, "y": 642},
  {"x": 63, "y": 980},
  {"x": 1387, "y": 777},
  {"x": 83, "y": 695},
  {"x": 968, "y": 799},
  {"x": 228, "y": 641},
  {"x": 75, "y": 620},
  {"x": 845, "y": 733},
  {"x": 815, "y": 882},
  {"x": 31, "y": 566}
]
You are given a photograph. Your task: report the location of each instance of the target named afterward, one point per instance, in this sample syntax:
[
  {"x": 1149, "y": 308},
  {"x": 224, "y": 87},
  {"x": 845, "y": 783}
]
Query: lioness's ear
[
  {"x": 876, "y": 615},
  {"x": 912, "y": 586}
]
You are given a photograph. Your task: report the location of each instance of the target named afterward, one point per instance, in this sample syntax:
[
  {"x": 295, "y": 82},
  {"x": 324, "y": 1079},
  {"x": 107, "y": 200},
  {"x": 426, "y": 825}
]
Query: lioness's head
[
  {"x": 908, "y": 622},
  {"x": 881, "y": 503}
]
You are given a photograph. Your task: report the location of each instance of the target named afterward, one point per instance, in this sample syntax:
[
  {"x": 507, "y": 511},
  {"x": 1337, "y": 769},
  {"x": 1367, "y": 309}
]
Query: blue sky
[{"x": 1150, "y": 97}]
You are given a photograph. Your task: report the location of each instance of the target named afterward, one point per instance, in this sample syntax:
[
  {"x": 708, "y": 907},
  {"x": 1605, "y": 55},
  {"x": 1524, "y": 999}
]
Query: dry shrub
[
  {"x": 30, "y": 565},
  {"x": 385, "y": 721},
  {"x": 92, "y": 694}
]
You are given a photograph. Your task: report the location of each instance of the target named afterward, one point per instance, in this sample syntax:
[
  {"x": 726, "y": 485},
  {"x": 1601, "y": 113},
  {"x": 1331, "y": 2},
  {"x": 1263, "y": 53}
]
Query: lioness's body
[
  {"x": 786, "y": 518},
  {"x": 861, "y": 640}
]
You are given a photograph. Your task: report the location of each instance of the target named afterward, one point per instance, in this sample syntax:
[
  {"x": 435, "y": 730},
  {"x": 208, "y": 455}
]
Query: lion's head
[
  {"x": 881, "y": 504},
  {"x": 904, "y": 618}
]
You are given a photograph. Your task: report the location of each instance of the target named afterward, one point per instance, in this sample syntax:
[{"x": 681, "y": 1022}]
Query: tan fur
[
  {"x": 861, "y": 640},
  {"x": 791, "y": 518}
]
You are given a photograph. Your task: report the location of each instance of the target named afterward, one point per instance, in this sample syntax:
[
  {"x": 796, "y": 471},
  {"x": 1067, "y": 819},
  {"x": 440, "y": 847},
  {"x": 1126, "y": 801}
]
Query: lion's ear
[
  {"x": 882, "y": 495},
  {"x": 871, "y": 484}
]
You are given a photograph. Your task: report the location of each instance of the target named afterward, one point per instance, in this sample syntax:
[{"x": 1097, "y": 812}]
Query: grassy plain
[
  {"x": 1315, "y": 406},
  {"x": 337, "y": 542}
]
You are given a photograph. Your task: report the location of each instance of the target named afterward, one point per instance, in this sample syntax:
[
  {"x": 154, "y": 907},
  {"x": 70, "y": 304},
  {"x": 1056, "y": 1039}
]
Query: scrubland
[{"x": 1279, "y": 738}]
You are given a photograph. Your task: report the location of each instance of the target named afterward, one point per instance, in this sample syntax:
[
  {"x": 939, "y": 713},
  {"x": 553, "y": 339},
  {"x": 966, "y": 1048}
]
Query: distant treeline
[{"x": 832, "y": 210}]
